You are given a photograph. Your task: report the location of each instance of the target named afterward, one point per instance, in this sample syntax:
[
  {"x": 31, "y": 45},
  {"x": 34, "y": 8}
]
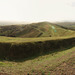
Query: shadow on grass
[
  {"x": 32, "y": 50},
  {"x": 35, "y": 56},
  {"x": 47, "y": 53}
]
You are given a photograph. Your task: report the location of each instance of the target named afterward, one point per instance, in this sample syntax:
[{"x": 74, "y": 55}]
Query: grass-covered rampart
[{"x": 9, "y": 50}]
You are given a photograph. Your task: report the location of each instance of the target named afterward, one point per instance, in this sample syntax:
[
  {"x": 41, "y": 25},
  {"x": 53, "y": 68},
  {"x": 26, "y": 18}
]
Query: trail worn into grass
[{"x": 46, "y": 64}]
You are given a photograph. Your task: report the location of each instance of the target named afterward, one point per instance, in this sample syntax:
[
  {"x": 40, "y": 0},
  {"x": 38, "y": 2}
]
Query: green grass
[
  {"x": 37, "y": 55},
  {"x": 41, "y": 29},
  {"x": 40, "y": 65},
  {"x": 69, "y": 25},
  {"x": 21, "y": 40},
  {"x": 19, "y": 48}
]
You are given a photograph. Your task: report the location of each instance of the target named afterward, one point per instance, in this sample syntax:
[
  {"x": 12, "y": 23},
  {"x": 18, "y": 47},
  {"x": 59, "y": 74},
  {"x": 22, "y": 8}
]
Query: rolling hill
[
  {"x": 69, "y": 25},
  {"x": 41, "y": 29},
  {"x": 37, "y": 56},
  {"x": 5, "y": 23},
  {"x": 54, "y": 47}
]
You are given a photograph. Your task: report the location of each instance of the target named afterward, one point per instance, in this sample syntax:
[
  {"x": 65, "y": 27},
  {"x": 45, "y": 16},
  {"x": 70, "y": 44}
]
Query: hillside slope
[
  {"x": 41, "y": 29},
  {"x": 69, "y": 25}
]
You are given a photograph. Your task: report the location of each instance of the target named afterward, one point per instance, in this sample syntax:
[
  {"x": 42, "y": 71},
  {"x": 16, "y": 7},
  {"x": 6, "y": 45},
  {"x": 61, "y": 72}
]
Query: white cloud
[
  {"x": 36, "y": 10},
  {"x": 73, "y": 4}
]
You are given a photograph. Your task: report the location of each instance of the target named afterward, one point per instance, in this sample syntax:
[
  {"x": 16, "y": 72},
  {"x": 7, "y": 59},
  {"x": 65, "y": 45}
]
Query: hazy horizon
[{"x": 37, "y": 10}]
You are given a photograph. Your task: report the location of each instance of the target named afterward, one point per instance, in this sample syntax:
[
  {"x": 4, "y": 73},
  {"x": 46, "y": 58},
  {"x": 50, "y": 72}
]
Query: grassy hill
[
  {"x": 55, "y": 45},
  {"x": 36, "y": 56},
  {"x": 69, "y": 25},
  {"x": 41, "y": 29},
  {"x": 19, "y": 48},
  {"x": 5, "y": 23}
]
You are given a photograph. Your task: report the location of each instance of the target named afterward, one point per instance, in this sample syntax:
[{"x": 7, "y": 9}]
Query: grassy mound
[
  {"x": 20, "y": 50},
  {"x": 41, "y": 29}
]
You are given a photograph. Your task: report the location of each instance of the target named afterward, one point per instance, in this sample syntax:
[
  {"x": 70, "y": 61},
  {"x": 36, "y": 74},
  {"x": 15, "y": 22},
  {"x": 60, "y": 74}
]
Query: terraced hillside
[{"x": 41, "y": 29}]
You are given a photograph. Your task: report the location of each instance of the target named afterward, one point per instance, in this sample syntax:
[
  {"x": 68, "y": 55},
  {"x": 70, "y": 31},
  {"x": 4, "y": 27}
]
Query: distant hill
[
  {"x": 69, "y": 25},
  {"x": 3, "y": 23},
  {"x": 41, "y": 29}
]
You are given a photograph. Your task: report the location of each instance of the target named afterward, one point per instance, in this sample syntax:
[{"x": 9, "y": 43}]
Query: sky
[{"x": 37, "y": 10}]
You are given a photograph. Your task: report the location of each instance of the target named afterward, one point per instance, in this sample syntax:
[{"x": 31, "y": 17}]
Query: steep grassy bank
[
  {"x": 41, "y": 65},
  {"x": 20, "y": 50}
]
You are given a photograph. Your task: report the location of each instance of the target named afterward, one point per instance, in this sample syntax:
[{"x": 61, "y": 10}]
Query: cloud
[
  {"x": 73, "y": 4},
  {"x": 37, "y": 10}
]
